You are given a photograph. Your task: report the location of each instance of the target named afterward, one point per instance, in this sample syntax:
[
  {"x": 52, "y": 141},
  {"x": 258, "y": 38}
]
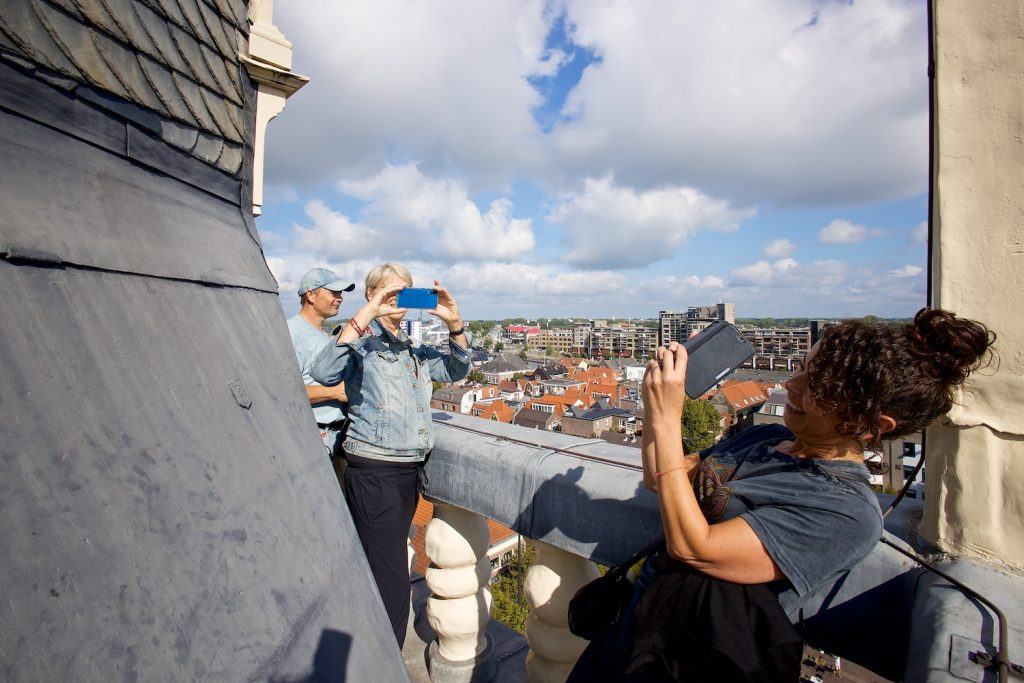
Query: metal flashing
[
  {"x": 97, "y": 210},
  {"x": 153, "y": 528}
]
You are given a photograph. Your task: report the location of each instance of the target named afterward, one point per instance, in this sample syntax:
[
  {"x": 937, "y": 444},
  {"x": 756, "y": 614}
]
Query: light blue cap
[{"x": 322, "y": 277}]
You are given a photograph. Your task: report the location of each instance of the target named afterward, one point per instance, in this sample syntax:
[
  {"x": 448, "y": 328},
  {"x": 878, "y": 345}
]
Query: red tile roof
[
  {"x": 498, "y": 411},
  {"x": 742, "y": 395}
]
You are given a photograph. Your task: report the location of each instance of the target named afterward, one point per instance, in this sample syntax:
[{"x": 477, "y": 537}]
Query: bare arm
[
  {"x": 318, "y": 394},
  {"x": 729, "y": 550},
  {"x": 647, "y": 447}
]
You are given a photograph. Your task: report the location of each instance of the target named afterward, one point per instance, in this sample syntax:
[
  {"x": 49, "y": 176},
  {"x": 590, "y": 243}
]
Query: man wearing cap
[{"x": 320, "y": 292}]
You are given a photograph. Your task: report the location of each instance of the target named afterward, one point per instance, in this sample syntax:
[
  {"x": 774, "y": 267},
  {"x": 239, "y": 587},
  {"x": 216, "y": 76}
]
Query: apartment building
[
  {"x": 673, "y": 326},
  {"x": 771, "y": 341},
  {"x": 557, "y": 341}
]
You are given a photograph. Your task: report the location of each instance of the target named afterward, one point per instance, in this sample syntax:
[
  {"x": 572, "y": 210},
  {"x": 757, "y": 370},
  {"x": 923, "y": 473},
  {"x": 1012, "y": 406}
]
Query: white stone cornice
[{"x": 267, "y": 58}]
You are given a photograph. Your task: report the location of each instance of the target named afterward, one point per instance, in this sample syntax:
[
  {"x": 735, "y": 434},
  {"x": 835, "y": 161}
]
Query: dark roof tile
[
  {"x": 194, "y": 17},
  {"x": 230, "y": 159},
  {"x": 170, "y": 10},
  {"x": 25, "y": 29},
  {"x": 155, "y": 27},
  {"x": 71, "y": 7},
  {"x": 220, "y": 71},
  {"x": 208, "y": 147},
  {"x": 189, "y": 48},
  {"x": 156, "y": 55},
  {"x": 125, "y": 65},
  {"x": 162, "y": 81},
  {"x": 192, "y": 98},
  {"x": 96, "y": 14},
  {"x": 77, "y": 45},
  {"x": 214, "y": 24},
  {"x": 181, "y": 136},
  {"x": 229, "y": 126},
  {"x": 123, "y": 12}
]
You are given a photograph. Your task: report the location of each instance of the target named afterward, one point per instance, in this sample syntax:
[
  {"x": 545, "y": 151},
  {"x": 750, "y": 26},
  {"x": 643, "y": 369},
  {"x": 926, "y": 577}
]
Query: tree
[
  {"x": 549, "y": 350},
  {"x": 488, "y": 343},
  {"x": 498, "y": 346},
  {"x": 700, "y": 425},
  {"x": 436, "y": 386},
  {"x": 509, "y": 606},
  {"x": 522, "y": 354},
  {"x": 477, "y": 376}
]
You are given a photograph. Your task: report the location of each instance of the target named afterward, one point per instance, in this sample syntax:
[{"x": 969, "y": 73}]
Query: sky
[{"x": 608, "y": 159}]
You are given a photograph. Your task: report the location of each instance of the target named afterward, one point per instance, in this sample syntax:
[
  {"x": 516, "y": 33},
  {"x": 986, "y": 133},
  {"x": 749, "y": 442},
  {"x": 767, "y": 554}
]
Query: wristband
[
  {"x": 355, "y": 326},
  {"x": 456, "y": 333},
  {"x": 659, "y": 475}
]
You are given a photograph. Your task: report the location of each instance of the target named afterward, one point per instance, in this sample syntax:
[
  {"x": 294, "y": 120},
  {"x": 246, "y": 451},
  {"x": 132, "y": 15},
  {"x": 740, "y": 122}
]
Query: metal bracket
[{"x": 985, "y": 659}]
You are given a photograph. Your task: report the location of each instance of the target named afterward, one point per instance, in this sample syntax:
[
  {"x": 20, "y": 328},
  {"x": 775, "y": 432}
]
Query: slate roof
[
  {"x": 528, "y": 417},
  {"x": 451, "y": 394},
  {"x": 620, "y": 439},
  {"x": 600, "y": 410},
  {"x": 175, "y": 60},
  {"x": 505, "y": 362}
]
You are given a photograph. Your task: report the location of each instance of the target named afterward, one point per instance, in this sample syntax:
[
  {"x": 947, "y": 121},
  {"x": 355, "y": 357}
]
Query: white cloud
[
  {"x": 842, "y": 231},
  {"x": 919, "y": 236},
  {"x": 780, "y": 248},
  {"x": 333, "y": 235},
  {"x": 409, "y": 215},
  {"x": 445, "y": 83},
  {"x": 906, "y": 271},
  {"x": 783, "y": 265},
  {"x": 755, "y": 274},
  {"x": 607, "y": 225},
  {"x": 792, "y": 101},
  {"x": 437, "y": 219}
]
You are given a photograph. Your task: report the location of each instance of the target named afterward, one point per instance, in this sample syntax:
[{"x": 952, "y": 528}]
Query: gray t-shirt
[
  {"x": 308, "y": 341},
  {"x": 813, "y": 523}
]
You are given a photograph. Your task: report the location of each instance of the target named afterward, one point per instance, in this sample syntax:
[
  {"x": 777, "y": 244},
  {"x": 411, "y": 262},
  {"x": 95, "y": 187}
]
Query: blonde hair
[{"x": 380, "y": 273}]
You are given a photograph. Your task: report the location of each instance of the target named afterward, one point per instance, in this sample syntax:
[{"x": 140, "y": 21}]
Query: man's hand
[
  {"x": 664, "y": 386},
  {"x": 318, "y": 393}
]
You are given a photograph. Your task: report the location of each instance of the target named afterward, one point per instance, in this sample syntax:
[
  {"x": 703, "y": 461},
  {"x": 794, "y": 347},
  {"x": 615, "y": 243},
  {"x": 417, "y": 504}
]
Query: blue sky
[{"x": 593, "y": 159}]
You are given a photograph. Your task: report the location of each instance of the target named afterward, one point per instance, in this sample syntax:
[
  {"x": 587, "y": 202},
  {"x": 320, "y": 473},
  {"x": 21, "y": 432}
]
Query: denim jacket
[{"x": 388, "y": 385}]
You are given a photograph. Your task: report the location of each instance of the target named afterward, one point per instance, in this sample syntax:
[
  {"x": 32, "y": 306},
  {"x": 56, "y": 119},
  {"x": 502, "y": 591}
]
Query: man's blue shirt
[{"x": 308, "y": 342}]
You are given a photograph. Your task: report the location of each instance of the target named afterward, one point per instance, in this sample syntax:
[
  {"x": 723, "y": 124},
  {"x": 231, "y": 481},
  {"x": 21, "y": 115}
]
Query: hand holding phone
[{"x": 417, "y": 297}]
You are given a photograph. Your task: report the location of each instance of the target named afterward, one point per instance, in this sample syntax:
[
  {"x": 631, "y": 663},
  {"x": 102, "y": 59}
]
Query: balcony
[{"x": 588, "y": 506}]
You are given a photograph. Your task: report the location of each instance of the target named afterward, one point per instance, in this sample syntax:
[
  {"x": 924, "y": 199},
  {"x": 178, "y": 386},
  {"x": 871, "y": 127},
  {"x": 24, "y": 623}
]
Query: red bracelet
[
  {"x": 355, "y": 326},
  {"x": 659, "y": 475}
]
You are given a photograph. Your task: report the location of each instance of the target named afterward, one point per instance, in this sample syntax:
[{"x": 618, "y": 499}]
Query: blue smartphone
[{"x": 414, "y": 297}]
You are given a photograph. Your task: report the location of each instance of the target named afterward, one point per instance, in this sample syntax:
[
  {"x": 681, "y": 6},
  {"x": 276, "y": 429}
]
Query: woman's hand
[
  {"x": 446, "y": 310},
  {"x": 381, "y": 303},
  {"x": 664, "y": 385}
]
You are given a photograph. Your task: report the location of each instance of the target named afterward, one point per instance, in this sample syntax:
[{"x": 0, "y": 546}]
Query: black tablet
[{"x": 712, "y": 354}]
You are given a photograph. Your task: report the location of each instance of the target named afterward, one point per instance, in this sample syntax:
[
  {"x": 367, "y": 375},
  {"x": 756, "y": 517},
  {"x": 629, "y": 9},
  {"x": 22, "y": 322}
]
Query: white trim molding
[{"x": 268, "y": 60}]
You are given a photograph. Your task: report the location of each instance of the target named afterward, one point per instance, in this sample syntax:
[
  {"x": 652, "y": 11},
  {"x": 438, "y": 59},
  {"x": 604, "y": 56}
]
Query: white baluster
[
  {"x": 460, "y": 603},
  {"x": 551, "y": 581}
]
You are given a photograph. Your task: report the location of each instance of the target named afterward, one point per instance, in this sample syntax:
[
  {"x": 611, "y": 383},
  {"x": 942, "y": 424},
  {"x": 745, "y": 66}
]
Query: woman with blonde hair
[{"x": 388, "y": 382}]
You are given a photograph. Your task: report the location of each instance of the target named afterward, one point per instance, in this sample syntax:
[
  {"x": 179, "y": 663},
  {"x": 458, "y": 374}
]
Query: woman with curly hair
[{"x": 788, "y": 508}]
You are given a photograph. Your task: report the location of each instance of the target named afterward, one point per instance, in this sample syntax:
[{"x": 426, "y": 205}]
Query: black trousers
[{"x": 382, "y": 499}]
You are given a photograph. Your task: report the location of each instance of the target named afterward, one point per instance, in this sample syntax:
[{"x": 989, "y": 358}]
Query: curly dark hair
[{"x": 863, "y": 370}]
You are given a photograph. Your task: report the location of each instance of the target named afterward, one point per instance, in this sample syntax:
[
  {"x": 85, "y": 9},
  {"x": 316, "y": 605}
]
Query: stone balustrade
[{"x": 578, "y": 507}]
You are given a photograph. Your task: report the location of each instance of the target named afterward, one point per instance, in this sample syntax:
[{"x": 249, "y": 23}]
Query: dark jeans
[{"x": 382, "y": 499}]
